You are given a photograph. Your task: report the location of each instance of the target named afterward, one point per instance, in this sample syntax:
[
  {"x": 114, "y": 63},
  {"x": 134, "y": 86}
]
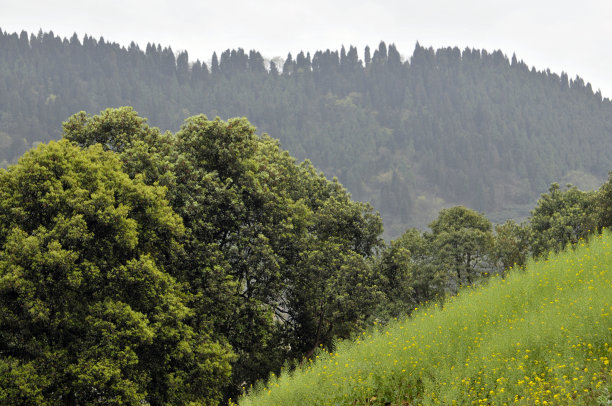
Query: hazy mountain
[{"x": 444, "y": 127}]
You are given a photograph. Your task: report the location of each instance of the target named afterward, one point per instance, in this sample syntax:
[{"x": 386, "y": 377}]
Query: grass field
[{"x": 540, "y": 337}]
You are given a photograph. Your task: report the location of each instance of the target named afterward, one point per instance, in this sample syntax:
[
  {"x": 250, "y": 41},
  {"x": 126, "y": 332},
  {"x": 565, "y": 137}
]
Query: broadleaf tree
[
  {"x": 88, "y": 313},
  {"x": 561, "y": 218},
  {"x": 274, "y": 251},
  {"x": 463, "y": 240}
]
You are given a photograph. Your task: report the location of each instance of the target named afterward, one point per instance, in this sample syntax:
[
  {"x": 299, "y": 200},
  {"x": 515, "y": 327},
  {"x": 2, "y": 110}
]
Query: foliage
[
  {"x": 420, "y": 267},
  {"x": 511, "y": 245},
  {"x": 463, "y": 241},
  {"x": 88, "y": 313},
  {"x": 604, "y": 204},
  {"x": 410, "y": 272},
  {"x": 561, "y": 218},
  {"x": 537, "y": 337},
  {"x": 276, "y": 256},
  {"x": 441, "y": 128},
  {"x": 265, "y": 255}
]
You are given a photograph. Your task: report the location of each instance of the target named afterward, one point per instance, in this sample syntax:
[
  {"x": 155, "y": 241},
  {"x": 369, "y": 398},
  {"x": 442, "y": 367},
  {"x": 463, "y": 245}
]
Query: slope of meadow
[{"x": 542, "y": 336}]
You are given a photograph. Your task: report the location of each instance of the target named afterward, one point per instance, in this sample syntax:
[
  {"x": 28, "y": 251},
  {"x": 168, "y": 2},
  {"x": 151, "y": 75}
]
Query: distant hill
[{"x": 445, "y": 127}]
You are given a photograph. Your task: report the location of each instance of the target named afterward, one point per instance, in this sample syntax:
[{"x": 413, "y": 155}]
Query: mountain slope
[
  {"x": 538, "y": 337},
  {"x": 442, "y": 128}
]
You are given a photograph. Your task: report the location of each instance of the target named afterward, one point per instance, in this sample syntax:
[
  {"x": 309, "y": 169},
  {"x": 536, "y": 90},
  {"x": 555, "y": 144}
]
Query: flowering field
[{"x": 540, "y": 337}]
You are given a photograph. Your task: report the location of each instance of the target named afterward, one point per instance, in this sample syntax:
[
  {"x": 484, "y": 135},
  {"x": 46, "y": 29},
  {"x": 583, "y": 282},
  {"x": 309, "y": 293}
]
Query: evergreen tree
[
  {"x": 288, "y": 66},
  {"x": 214, "y": 65},
  {"x": 462, "y": 110},
  {"x": 366, "y": 56}
]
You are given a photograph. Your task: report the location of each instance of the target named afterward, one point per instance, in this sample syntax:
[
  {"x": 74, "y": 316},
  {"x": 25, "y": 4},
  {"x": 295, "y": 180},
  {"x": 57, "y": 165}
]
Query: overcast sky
[{"x": 571, "y": 36}]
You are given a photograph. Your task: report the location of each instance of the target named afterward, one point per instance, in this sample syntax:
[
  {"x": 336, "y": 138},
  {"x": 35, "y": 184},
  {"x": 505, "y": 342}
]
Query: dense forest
[
  {"x": 181, "y": 265},
  {"x": 141, "y": 267},
  {"x": 409, "y": 135}
]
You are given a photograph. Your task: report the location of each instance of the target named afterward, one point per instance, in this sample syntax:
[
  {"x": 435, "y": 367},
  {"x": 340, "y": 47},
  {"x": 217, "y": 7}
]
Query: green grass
[{"x": 542, "y": 336}]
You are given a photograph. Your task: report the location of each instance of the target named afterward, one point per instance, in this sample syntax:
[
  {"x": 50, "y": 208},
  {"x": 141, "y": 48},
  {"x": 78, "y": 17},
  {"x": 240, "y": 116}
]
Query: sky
[{"x": 570, "y": 36}]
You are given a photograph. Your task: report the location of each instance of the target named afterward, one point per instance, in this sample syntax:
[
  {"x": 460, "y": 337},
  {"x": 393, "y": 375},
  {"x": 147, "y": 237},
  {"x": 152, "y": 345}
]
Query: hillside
[
  {"x": 440, "y": 128},
  {"x": 539, "y": 337}
]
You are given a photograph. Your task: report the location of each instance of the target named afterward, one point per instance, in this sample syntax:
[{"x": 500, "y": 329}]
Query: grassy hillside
[{"x": 542, "y": 336}]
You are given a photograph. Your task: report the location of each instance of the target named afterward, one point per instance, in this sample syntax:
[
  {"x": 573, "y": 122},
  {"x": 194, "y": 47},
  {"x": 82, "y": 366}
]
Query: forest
[
  {"x": 158, "y": 247},
  {"x": 142, "y": 267},
  {"x": 412, "y": 135}
]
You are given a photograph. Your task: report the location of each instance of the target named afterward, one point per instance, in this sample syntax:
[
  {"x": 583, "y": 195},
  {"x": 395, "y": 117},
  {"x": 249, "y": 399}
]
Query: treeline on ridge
[
  {"x": 145, "y": 267},
  {"x": 412, "y": 136}
]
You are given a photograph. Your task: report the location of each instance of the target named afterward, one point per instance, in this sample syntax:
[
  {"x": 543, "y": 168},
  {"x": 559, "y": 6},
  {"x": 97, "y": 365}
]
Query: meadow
[{"x": 541, "y": 336}]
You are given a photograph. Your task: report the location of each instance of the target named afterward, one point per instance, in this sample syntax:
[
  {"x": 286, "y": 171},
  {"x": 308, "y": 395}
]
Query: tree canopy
[
  {"x": 88, "y": 311},
  {"x": 412, "y": 135},
  {"x": 171, "y": 268},
  {"x": 276, "y": 255},
  {"x": 562, "y": 217}
]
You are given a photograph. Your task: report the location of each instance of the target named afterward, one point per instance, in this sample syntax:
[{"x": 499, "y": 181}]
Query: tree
[
  {"x": 335, "y": 288},
  {"x": 410, "y": 272},
  {"x": 239, "y": 228},
  {"x": 462, "y": 239},
  {"x": 276, "y": 257},
  {"x": 561, "y": 218},
  {"x": 604, "y": 204},
  {"x": 273, "y": 69},
  {"x": 511, "y": 245},
  {"x": 367, "y": 57},
  {"x": 182, "y": 67},
  {"x": 88, "y": 313},
  {"x": 143, "y": 149},
  {"x": 289, "y": 65},
  {"x": 214, "y": 64},
  {"x": 202, "y": 167},
  {"x": 355, "y": 122}
]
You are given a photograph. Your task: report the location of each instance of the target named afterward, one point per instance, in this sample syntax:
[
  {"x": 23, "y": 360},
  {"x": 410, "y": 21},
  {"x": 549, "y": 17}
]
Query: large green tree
[
  {"x": 88, "y": 312},
  {"x": 411, "y": 273},
  {"x": 277, "y": 256},
  {"x": 511, "y": 245},
  {"x": 562, "y": 217},
  {"x": 463, "y": 241}
]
